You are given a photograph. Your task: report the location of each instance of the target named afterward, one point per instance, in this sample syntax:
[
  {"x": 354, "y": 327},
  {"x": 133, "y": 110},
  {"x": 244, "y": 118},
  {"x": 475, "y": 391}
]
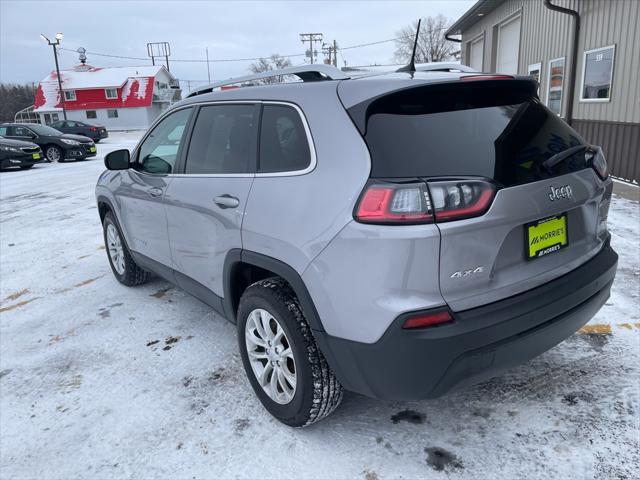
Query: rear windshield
[{"x": 482, "y": 129}]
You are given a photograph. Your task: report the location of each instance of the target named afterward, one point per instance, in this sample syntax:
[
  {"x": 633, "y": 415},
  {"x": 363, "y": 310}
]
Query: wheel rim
[
  {"x": 53, "y": 154},
  {"x": 270, "y": 356},
  {"x": 114, "y": 245}
]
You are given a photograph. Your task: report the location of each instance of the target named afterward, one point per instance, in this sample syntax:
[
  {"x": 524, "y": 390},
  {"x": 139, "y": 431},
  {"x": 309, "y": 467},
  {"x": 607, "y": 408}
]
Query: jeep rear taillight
[
  {"x": 424, "y": 202},
  {"x": 457, "y": 199},
  {"x": 391, "y": 203}
]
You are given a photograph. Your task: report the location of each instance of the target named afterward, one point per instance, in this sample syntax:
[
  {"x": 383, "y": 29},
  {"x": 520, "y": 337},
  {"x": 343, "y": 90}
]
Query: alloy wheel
[
  {"x": 270, "y": 356},
  {"x": 116, "y": 251}
]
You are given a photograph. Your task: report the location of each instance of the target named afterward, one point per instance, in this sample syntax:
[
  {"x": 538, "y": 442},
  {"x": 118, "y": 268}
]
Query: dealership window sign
[
  {"x": 555, "y": 85},
  {"x": 597, "y": 74}
]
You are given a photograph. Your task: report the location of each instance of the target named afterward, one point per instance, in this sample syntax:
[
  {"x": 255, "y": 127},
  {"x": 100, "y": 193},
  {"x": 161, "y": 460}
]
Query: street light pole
[{"x": 55, "y": 56}]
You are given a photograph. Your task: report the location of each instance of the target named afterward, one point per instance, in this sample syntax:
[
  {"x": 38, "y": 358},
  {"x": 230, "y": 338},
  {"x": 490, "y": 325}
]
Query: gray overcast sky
[{"x": 231, "y": 29}]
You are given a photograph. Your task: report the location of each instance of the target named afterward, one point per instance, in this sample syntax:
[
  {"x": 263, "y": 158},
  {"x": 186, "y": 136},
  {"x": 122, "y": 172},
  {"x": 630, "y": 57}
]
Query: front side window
[
  {"x": 111, "y": 93},
  {"x": 556, "y": 85},
  {"x": 91, "y": 114},
  {"x": 70, "y": 95},
  {"x": 223, "y": 140},
  {"x": 159, "y": 151},
  {"x": 112, "y": 113},
  {"x": 283, "y": 140},
  {"x": 597, "y": 74}
]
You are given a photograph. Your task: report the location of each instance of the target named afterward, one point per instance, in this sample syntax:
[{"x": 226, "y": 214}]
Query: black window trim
[{"x": 179, "y": 170}]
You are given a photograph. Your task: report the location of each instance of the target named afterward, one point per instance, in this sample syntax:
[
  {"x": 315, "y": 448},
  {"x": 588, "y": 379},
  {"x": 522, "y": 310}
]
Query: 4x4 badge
[{"x": 466, "y": 273}]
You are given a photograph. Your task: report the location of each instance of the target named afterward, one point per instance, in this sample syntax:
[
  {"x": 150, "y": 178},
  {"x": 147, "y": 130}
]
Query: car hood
[
  {"x": 8, "y": 142},
  {"x": 77, "y": 138}
]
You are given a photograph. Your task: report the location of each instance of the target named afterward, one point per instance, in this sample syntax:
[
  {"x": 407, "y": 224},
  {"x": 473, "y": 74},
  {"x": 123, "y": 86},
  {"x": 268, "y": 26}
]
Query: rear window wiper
[{"x": 551, "y": 162}]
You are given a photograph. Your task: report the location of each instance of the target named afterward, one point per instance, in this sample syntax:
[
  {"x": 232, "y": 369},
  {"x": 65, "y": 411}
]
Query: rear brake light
[
  {"x": 93, "y": 129},
  {"x": 429, "y": 319},
  {"x": 454, "y": 200},
  {"x": 390, "y": 203},
  {"x": 468, "y": 78}
]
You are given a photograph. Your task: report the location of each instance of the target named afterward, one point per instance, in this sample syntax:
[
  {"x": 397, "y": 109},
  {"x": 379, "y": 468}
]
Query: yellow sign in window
[{"x": 546, "y": 236}]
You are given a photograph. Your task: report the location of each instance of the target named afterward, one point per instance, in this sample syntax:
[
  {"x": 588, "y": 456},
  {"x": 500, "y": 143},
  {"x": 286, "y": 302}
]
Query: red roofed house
[{"x": 120, "y": 98}]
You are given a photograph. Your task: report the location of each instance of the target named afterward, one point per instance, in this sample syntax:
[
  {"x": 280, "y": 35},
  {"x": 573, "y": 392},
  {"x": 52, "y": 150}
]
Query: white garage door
[
  {"x": 508, "y": 46},
  {"x": 476, "y": 54}
]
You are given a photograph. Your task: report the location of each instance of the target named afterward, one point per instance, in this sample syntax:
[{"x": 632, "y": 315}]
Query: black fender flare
[{"x": 238, "y": 256}]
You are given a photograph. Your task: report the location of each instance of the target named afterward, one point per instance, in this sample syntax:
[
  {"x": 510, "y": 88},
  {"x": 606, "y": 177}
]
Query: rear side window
[
  {"x": 223, "y": 140},
  {"x": 501, "y": 132},
  {"x": 283, "y": 140}
]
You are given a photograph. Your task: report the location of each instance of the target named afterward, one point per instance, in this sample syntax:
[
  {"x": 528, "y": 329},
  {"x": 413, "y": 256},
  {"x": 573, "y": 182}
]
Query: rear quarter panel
[{"x": 293, "y": 218}]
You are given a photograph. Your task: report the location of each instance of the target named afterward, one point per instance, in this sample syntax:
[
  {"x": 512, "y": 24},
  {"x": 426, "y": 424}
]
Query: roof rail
[{"x": 306, "y": 73}]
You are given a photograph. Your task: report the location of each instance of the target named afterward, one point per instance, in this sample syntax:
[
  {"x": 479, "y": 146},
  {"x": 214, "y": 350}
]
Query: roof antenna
[{"x": 411, "y": 67}]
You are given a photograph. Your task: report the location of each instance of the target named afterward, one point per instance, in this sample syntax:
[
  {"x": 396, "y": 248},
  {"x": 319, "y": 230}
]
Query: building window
[
  {"x": 476, "y": 53},
  {"x": 91, "y": 114},
  {"x": 70, "y": 95},
  {"x": 111, "y": 93},
  {"x": 597, "y": 74},
  {"x": 112, "y": 113},
  {"x": 555, "y": 85},
  {"x": 535, "y": 71}
]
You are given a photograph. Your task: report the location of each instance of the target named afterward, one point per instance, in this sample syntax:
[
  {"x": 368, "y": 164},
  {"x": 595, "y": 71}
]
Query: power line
[{"x": 247, "y": 59}]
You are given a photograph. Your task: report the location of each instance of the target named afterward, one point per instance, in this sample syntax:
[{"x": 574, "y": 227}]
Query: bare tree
[
  {"x": 274, "y": 62},
  {"x": 432, "y": 46}
]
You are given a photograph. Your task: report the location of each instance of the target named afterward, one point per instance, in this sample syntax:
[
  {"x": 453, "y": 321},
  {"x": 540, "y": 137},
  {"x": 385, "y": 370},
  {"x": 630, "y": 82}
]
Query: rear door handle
[
  {"x": 155, "y": 191},
  {"x": 226, "y": 201}
]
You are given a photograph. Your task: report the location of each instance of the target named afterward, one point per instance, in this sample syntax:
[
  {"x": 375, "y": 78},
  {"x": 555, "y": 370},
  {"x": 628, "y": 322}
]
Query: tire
[
  {"x": 317, "y": 392},
  {"x": 123, "y": 266},
  {"x": 26, "y": 167},
  {"x": 54, "y": 153},
  {"x": 97, "y": 141}
]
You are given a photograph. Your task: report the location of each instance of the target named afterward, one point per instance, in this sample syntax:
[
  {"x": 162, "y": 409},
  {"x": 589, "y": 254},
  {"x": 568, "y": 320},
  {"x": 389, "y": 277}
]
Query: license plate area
[{"x": 546, "y": 236}]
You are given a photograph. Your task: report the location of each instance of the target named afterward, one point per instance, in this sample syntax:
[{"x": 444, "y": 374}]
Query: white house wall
[{"x": 128, "y": 118}]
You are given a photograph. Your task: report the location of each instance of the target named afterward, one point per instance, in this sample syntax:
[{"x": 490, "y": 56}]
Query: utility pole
[
  {"x": 208, "y": 70},
  {"x": 331, "y": 50},
  {"x": 55, "y": 56},
  {"x": 311, "y": 38}
]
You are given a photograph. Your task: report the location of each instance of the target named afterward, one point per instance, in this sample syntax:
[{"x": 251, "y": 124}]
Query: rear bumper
[{"x": 479, "y": 344}]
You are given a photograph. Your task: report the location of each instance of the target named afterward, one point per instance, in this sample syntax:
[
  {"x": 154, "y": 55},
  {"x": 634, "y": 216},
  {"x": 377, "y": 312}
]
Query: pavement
[{"x": 102, "y": 381}]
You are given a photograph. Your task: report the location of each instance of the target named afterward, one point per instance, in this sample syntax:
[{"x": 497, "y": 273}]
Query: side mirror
[{"x": 117, "y": 160}]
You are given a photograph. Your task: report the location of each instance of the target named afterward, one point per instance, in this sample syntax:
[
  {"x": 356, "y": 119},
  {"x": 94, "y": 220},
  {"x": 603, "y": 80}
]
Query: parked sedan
[
  {"x": 92, "y": 130},
  {"x": 57, "y": 146},
  {"x": 16, "y": 153}
]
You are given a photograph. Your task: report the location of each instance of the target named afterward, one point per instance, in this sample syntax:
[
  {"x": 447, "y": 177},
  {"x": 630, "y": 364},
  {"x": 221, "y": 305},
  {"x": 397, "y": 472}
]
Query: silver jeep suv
[{"x": 398, "y": 235}]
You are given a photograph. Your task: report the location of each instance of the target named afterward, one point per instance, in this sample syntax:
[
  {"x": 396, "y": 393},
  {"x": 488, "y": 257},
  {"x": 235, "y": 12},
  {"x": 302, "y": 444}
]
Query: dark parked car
[
  {"x": 92, "y": 130},
  {"x": 16, "y": 153},
  {"x": 57, "y": 146}
]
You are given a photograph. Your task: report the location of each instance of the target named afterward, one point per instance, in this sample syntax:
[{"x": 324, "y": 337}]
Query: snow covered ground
[{"x": 102, "y": 381}]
